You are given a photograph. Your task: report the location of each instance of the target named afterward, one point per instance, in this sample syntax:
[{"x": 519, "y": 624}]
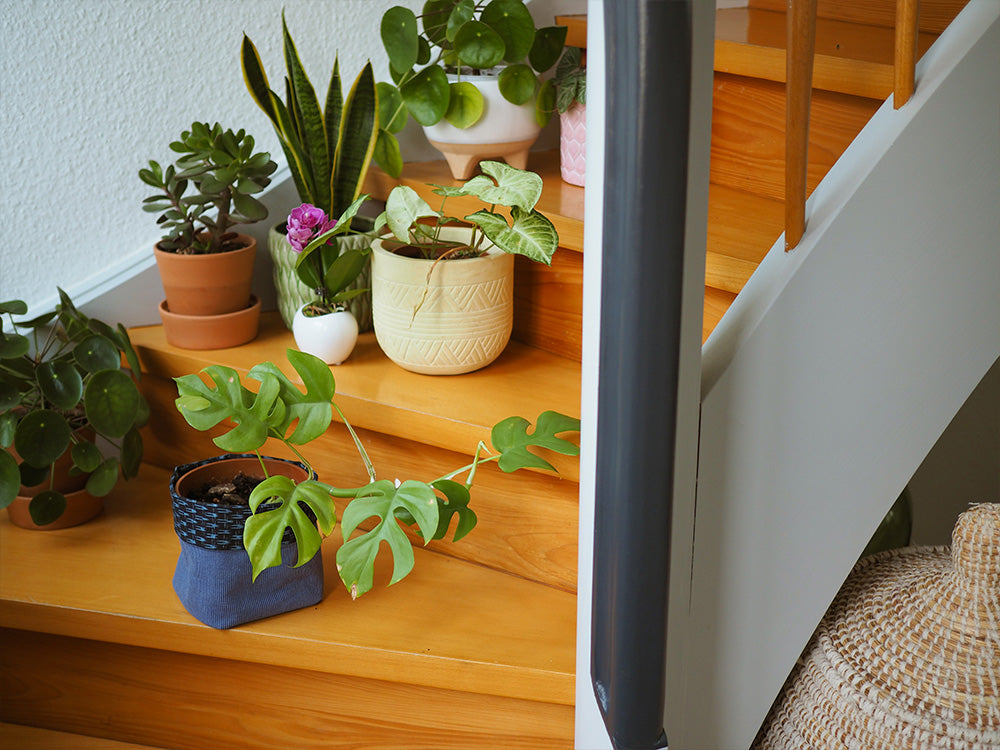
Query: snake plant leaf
[
  {"x": 204, "y": 407},
  {"x": 426, "y": 95},
  {"x": 41, "y": 437},
  {"x": 530, "y": 234},
  {"x": 510, "y": 438},
  {"x": 514, "y": 187},
  {"x": 8, "y": 423},
  {"x": 13, "y": 345},
  {"x": 399, "y": 37},
  {"x": 263, "y": 531},
  {"x": 402, "y": 209},
  {"x": 10, "y": 479},
  {"x": 111, "y": 402},
  {"x": 46, "y": 507},
  {"x": 387, "y": 154},
  {"x": 463, "y": 11},
  {"x": 86, "y": 456},
  {"x": 356, "y": 142},
  {"x": 547, "y": 47},
  {"x": 513, "y": 23},
  {"x": 131, "y": 458},
  {"x": 479, "y": 46},
  {"x": 60, "y": 383},
  {"x": 255, "y": 79},
  {"x": 382, "y": 499},
  {"x": 13, "y": 307},
  {"x": 312, "y": 409},
  {"x": 517, "y": 83},
  {"x": 333, "y": 109},
  {"x": 465, "y": 105},
  {"x": 102, "y": 481},
  {"x": 97, "y": 352},
  {"x": 456, "y": 502}
]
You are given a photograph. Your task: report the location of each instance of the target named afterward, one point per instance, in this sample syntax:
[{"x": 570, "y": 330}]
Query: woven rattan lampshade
[{"x": 908, "y": 655}]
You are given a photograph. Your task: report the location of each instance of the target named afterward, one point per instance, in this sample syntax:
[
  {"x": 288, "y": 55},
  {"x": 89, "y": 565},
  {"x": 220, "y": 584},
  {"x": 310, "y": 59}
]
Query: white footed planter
[
  {"x": 457, "y": 321},
  {"x": 504, "y": 131},
  {"x": 330, "y": 337}
]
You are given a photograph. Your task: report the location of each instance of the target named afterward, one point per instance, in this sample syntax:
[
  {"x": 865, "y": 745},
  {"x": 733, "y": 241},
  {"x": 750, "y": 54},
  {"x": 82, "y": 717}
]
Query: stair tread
[
  {"x": 36, "y": 738},
  {"x": 851, "y": 58},
  {"x": 742, "y": 228},
  {"x": 451, "y": 624},
  {"x": 453, "y": 412}
]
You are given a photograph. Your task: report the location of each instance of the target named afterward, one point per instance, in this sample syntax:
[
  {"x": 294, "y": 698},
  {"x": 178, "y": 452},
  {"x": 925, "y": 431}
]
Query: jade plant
[
  {"x": 528, "y": 232},
  {"x": 459, "y": 37},
  {"x": 61, "y": 387},
  {"x": 225, "y": 174},
  {"x": 278, "y": 410},
  {"x": 328, "y": 149}
]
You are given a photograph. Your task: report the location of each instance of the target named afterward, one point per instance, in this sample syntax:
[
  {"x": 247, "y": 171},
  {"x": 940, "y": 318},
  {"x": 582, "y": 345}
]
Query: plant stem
[
  {"x": 369, "y": 467},
  {"x": 471, "y": 468}
]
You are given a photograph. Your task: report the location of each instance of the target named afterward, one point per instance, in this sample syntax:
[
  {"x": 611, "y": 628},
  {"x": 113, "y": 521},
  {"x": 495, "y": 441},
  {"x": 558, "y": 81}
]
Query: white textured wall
[{"x": 93, "y": 89}]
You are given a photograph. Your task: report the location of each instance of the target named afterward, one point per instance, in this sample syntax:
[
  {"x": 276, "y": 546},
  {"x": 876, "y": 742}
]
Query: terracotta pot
[
  {"x": 573, "y": 144},
  {"x": 81, "y": 506},
  {"x": 330, "y": 337},
  {"x": 456, "y": 321},
  {"x": 293, "y": 294},
  {"x": 211, "y": 331},
  {"x": 505, "y": 131},
  {"x": 211, "y": 284}
]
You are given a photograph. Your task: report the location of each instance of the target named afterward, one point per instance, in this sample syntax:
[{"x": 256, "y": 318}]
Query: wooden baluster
[
  {"x": 907, "y": 30},
  {"x": 801, "y": 43}
]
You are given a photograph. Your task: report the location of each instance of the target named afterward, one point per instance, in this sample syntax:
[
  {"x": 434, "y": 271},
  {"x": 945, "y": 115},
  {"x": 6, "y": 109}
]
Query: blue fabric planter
[{"x": 214, "y": 577}]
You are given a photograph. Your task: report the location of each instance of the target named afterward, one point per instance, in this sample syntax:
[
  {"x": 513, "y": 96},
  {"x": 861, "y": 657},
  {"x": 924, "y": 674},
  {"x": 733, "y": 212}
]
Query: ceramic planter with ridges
[
  {"x": 505, "y": 131},
  {"x": 573, "y": 144},
  {"x": 330, "y": 337},
  {"x": 211, "y": 284},
  {"x": 293, "y": 294},
  {"x": 458, "y": 321}
]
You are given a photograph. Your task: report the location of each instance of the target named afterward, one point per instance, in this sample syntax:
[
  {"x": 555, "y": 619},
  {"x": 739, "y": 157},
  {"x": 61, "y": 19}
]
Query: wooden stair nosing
[
  {"x": 450, "y": 624},
  {"x": 38, "y": 738},
  {"x": 935, "y": 15}
]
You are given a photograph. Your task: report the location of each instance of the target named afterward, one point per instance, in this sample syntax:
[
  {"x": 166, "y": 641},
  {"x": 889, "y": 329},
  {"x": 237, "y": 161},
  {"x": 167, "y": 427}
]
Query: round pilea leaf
[
  {"x": 97, "y": 353},
  {"x": 465, "y": 105},
  {"x": 479, "y": 46},
  {"x": 86, "y": 456},
  {"x": 10, "y": 479},
  {"x": 41, "y": 437},
  {"x": 46, "y": 507},
  {"x": 61, "y": 384},
  {"x": 111, "y": 401},
  {"x": 517, "y": 83},
  {"x": 101, "y": 482},
  {"x": 515, "y": 26}
]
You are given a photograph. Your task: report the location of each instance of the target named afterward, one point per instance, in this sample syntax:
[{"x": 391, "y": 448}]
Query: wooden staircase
[{"x": 476, "y": 649}]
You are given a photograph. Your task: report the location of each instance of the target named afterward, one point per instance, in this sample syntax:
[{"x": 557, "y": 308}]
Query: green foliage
[
  {"x": 528, "y": 232},
  {"x": 570, "y": 80},
  {"x": 225, "y": 173},
  {"x": 458, "y": 36},
  {"x": 59, "y": 381},
  {"x": 329, "y": 149},
  {"x": 278, "y": 409}
]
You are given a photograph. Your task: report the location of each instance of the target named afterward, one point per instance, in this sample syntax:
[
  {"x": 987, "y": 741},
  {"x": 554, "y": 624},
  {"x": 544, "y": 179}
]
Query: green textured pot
[{"x": 293, "y": 294}]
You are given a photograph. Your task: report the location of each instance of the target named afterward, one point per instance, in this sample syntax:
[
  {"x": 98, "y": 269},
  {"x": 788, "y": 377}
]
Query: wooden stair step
[
  {"x": 742, "y": 227},
  {"x": 451, "y": 626},
  {"x": 935, "y": 15},
  {"x": 15, "y": 736}
]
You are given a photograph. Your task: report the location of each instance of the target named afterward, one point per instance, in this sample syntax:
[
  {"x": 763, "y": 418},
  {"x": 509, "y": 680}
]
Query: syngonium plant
[
  {"x": 278, "y": 410},
  {"x": 61, "y": 386},
  {"x": 329, "y": 149},
  {"x": 458, "y": 37}
]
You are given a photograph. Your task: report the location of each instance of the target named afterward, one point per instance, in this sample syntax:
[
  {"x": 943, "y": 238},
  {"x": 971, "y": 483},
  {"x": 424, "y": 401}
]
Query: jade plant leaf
[
  {"x": 111, "y": 401},
  {"x": 530, "y": 234},
  {"x": 60, "y": 383},
  {"x": 510, "y": 438},
  {"x": 41, "y": 437},
  {"x": 513, "y": 23},
  {"x": 465, "y": 105},
  {"x": 46, "y": 507},
  {"x": 382, "y": 499},
  {"x": 10, "y": 479},
  {"x": 263, "y": 531},
  {"x": 312, "y": 409}
]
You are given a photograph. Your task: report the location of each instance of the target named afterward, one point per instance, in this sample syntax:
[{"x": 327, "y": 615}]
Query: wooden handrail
[
  {"x": 907, "y": 30},
  {"x": 801, "y": 35}
]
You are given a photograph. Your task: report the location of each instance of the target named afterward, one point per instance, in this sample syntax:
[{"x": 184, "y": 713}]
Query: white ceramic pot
[
  {"x": 330, "y": 337},
  {"x": 505, "y": 131},
  {"x": 456, "y": 320}
]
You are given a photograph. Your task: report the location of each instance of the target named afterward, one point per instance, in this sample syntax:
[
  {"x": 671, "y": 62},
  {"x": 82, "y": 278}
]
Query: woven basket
[
  {"x": 908, "y": 655},
  {"x": 217, "y": 526}
]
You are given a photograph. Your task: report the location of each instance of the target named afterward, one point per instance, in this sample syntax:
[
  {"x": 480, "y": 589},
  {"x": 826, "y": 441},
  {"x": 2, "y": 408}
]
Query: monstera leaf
[
  {"x": 511, "y": 439},
  {"x": 310, "y": 411}
]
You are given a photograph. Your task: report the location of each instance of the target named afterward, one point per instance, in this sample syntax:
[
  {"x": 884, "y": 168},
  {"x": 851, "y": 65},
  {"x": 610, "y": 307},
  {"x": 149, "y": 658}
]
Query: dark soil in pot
[{"x": 235, "y": 492}]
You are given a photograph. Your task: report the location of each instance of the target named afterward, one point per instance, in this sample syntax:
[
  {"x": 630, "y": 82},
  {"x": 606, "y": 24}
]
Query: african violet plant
[
  {"x": 278, "y": 410},
  {"x": 62, "y": 385},
  {"x": 528, "y": 232}
]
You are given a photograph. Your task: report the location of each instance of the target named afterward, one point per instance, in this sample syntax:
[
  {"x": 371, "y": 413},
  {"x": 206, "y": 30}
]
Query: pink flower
[{"x": 306, "y": 222}]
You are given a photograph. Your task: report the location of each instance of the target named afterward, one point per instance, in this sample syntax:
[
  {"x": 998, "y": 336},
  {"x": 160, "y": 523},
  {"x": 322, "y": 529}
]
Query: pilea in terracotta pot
[
  {"x": 442, "y": 290},
  {"x": 205, "y": 265},
  {"x": 304, "y": 507},
  {"x": 328, "y": 149},
  {"x": 69, "y": 414},
  {"x": 470, "y": 78}
]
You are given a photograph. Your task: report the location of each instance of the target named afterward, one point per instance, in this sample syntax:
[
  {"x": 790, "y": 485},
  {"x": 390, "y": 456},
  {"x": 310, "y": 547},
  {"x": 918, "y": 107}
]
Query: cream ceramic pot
[{"x": 455, "y": 320}]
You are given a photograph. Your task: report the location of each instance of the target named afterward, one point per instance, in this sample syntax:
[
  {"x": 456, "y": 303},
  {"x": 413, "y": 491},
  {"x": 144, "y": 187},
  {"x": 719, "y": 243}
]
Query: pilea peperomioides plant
[{"x": 279, "y": 410}]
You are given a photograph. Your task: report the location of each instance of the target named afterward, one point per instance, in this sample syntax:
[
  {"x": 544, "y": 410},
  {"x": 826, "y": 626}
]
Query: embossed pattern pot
[{"x": 573, "y": 144}]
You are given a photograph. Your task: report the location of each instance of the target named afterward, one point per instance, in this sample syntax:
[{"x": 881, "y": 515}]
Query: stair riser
[
  {"x": 194, "y": 702},
  {"x": 537, "y": 541},
  {"x": 935, "y": 15},
  {"x": 748, "y": 133},
  {"x": 548, "y": 304}
]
